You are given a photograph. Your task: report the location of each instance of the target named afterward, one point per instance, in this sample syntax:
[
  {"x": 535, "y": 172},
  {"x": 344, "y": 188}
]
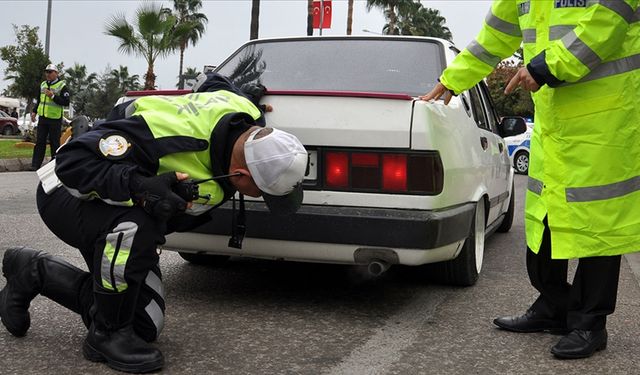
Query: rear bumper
[{"x": 379, "y": 227}]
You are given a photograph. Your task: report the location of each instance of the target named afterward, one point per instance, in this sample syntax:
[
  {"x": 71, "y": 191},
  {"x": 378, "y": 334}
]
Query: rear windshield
[{"x": 368, "y": 65}]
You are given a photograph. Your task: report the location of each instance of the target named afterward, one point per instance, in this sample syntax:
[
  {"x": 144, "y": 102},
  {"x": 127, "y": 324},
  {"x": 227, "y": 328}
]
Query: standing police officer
[
  {"x": 582, "y": 199},
  {"x": 122, "y": 186},
  {"x": 54, "y": 95}
]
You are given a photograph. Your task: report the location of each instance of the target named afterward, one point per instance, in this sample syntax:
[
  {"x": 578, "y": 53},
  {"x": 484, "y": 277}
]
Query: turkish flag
[{"x": 326, "y": 18}]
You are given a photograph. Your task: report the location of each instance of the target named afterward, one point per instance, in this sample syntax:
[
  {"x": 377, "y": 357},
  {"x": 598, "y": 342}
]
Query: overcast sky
[{"x": 77, "y": 29}]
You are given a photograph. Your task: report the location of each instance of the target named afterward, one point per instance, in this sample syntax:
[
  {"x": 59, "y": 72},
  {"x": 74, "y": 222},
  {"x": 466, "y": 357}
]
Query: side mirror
[{"x": 512, "y": 125}]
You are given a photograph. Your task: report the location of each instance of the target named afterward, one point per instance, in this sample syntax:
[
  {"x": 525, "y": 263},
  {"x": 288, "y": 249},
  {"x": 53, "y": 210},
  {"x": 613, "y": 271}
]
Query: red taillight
[
  {"x": 337, "y": 169},
  {"x": 394, "y": 172},
  {"x": 371, "y": 171}
]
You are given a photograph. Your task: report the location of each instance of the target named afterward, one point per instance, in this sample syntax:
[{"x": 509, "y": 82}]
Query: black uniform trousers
[
  {"x": 47, "y": 128},
  {"x": 89, "y": 226},
  {"x": 586, "y": 302}
]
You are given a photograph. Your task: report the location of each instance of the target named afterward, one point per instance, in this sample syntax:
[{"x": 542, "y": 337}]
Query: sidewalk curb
[
  {"x": 15, "y": 165},
  {"x": 18, "y": 164}
]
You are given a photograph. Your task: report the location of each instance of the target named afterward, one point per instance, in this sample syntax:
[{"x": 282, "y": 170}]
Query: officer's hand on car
[
  {"x": 437, "y": 92},
  {"x": 156, "y": 195}
]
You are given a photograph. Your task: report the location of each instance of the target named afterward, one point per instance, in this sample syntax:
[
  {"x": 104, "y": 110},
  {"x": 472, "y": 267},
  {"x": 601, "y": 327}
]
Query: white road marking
[{"x": 382, "y": 350}]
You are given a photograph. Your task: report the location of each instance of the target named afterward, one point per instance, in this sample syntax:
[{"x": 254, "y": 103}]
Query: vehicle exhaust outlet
[{"x": 377, "y": 267}]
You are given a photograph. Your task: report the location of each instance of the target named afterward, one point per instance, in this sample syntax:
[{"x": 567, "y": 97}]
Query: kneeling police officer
[{"x": 118, "y": 189}]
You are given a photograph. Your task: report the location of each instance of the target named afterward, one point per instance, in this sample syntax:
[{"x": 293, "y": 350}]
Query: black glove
[{"x": 156, "y": 195}]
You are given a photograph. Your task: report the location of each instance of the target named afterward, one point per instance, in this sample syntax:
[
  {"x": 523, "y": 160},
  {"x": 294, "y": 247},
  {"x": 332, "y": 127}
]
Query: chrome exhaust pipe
[{"x": 377, "y": 267}]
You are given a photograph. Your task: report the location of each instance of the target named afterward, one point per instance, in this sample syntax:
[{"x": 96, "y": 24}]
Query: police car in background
[{"x": 518, "y": 147}]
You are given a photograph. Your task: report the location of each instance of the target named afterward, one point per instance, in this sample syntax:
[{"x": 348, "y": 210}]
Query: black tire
[
  {"x": 464, "y": 270},
  {"x": 7, "y": 130},
  {"x": 204, "y": 259},
  {"x": 507, "y": 222},
  {"x": 521, "y": 162}
]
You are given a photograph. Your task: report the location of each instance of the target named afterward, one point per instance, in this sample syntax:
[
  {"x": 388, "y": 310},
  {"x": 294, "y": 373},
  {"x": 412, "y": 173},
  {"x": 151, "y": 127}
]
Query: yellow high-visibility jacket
[{"x": 584, "y": 172}]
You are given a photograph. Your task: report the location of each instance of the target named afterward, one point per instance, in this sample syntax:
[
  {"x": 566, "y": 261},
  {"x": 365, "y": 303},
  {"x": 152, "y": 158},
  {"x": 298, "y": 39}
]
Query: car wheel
[
  {"x": 7, "y": 130},
  {"x": 204, "y": 259},
  {"x": 508, "y": 217},
  {"x": 521, "y": 162},
  {"x": 465, "y": 268}
]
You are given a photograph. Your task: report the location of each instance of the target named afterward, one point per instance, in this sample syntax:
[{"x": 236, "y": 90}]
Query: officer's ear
[{"x": 244, "y": 182}]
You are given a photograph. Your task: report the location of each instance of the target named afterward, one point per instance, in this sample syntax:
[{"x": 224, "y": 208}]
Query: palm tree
[
  {"x": 155, "y": 35},
  {"x": 391, "y": 8},
  {"x": 255, "y": 19},
  {"x": 81, "y": 86},
  {"x": 349, "y": 17},
  {"x": 189, "y": 77},
  {"x": 429, "y": 22},
  {"x": 78, "y": 80},
  {"x": 187, "y": 15},
  {"x": 123, "y": 80}
]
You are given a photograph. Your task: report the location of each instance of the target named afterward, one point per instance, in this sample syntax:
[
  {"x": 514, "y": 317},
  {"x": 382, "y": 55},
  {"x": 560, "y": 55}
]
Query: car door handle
[
  {"x": 500, "y": 147},
  {"x": 484, "y": 143}
]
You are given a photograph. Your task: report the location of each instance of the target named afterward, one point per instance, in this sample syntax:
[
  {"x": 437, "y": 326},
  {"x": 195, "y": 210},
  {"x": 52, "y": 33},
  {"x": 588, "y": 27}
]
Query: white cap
[
  {"x": 51, "y": 67},
  {"x": 277, "y": 162}
]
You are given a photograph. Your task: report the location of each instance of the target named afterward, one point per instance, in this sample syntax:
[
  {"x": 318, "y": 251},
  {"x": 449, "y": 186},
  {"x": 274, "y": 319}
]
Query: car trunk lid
[{"x": 341, "y": 119}]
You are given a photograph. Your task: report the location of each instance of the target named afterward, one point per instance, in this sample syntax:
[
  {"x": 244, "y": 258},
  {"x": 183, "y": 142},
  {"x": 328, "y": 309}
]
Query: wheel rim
[
  {"x": 522, "y": 163},
  {"x": 479, "y": 235}
]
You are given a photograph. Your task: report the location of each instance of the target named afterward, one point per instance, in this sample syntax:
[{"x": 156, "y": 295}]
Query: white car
[
  {"x": 518, "y": 146},
  {"x": 392, "y": 180}
]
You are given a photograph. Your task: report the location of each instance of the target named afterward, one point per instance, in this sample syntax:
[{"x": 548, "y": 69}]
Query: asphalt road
[{"x": 263, "y": 317}]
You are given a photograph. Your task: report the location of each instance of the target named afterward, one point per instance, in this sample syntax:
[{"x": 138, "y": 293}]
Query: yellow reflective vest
[
  {"x": 47, "y": 107},
  {"x": 584, "y": 172},
  {"x": 195, "y": 116}
]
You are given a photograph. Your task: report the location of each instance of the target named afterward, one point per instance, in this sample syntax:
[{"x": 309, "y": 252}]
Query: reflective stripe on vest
[
  {"x": 623, "y": 9},
  {"x": 502, "y": 25},
  {"x": 580, "y": 50},
  {"x": 482, "y": 54},
  {"x": 596, "y": 193},
  {"x": 535, "y": 186}
]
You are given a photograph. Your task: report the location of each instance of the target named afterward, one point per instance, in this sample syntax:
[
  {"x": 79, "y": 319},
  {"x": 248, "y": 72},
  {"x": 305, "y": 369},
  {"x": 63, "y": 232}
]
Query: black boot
[
  {"x": 29, "y": 272},
  {"x": 111, "y": 338}
]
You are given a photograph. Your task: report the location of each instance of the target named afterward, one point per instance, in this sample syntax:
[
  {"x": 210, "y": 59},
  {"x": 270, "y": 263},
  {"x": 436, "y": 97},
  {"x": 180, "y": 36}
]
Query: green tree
[
  {"x": 155, "y": 33},
  {"x": 25, "y": 61},
  {"x": 187, "y": 14},
  {"x": 80, "y": 85},
  {"x": 414, "y": 19},
  {"x": 390, "y": 8},
  {"x": 189, "y": 77},
  {"x": 518, "y": 103},
  {"x": 103, "y": 98},
  {"x": 123, "y": 81},
  {"x": 255, "y": 19}
]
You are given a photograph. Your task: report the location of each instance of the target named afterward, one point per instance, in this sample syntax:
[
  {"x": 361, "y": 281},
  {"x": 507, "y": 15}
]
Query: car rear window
[{"x": 381, "y": 65}]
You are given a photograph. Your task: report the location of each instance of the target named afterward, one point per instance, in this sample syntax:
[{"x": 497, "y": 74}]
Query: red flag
[{"x": 326, "y": 18}]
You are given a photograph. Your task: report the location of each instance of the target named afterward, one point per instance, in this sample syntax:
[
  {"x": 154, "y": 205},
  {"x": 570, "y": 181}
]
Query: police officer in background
[
  {"x": 54, "y": 95},
  {"x": 119, "y": 188},
  {"x": 582, "y": 65}
]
